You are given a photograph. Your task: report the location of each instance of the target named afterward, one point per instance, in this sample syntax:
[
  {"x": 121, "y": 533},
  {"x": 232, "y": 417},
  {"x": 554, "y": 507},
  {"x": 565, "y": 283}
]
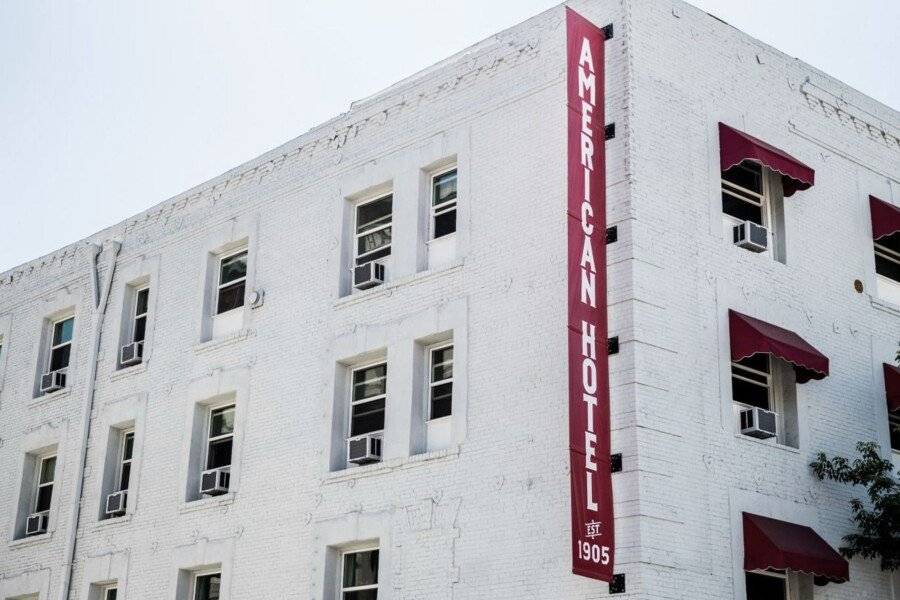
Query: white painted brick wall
[{"x": 488, "y": 518}]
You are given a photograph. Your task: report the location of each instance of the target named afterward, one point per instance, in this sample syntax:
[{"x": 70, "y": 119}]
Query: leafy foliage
[{"x": 878, "y": 521}]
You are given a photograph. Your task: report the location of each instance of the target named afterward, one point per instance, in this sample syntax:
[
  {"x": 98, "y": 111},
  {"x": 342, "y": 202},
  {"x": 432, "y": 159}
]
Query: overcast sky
[{"x": 107, "y": 108}]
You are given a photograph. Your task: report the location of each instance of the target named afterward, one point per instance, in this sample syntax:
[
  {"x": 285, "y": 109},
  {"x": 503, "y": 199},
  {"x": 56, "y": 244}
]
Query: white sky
[{"x": 107, "y": 108}]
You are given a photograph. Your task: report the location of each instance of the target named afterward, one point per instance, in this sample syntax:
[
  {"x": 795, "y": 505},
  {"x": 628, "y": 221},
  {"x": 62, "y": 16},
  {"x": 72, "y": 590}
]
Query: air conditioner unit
[
  {"x": 368, "y": 275},
  {"x": 115, "y": 502},
  {"x": 758, "y": 423},
  {"x": 750, "y": 236},
  {"x": 214, "y": 482},
  {"x": 36, "y": 523},
  {"x": 364, "y": 449},
  {"x": 131, "y": 354},
  {"x": 52, "y": 381}
]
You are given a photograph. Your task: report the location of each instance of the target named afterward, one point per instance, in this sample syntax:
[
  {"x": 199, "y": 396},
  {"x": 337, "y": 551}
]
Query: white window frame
[
  {"x": 431, "y": 384},
  {"x": 789, "y": 591},
  {"x": 210, "y": 438},
  {"x": 353, "y": 402},
  {"x": 54, "y": 347},
  {"x": 110, "y": 588},
  {"x": 887, "y": 287},
  {"x": 359, "y": 588},
  {"x": 38, "y": 485},
  {"x": 204, "y": 573},
  {"x": 770, "y": 388},
  {"x": 120, "y": 466},
  {"x": 219, "y": 285},
  {"x": 438, "y": 210},
  {"x": 762, "y": 200},
  {"x": 136, "y": 315},
  {"x": 357, "y": 235}
]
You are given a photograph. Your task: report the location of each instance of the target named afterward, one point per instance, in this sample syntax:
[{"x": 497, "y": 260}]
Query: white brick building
[{"x": 475, "y": 504}]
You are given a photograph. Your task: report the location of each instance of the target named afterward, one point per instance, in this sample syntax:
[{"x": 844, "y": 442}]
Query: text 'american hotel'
[{"x": 339, "y": 371}]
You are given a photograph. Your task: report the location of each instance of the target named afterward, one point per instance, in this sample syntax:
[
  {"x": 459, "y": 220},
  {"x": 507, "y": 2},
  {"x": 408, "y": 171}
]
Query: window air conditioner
[
  {"x": 52, "y": 381},
  {"x": 758, "y": 423},
  {"x": 364, "y": 449},
  {"x": 115, "y": 503},
  {"x": 36, "y": 523},
  {"x": 214, "y": 482},
  {"x": 368, "y": 275},
  {"x": 131, "y": 354},
  {"x": 751, "y": 236}
]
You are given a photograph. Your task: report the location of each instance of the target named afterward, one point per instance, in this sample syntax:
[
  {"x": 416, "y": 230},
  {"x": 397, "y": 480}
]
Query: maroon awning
[
  {"x": 892, "y": 387},
  {"x": 751, "y": 336},
  {"x": 773, "y": 544},
  {"x": 885, "y": 218},
  {"x": 736, "y": 146}
]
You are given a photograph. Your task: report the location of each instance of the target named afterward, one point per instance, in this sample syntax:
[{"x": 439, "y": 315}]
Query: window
[
  {"x": 359, "y": 579},
  {"x": 61, "y": 344},
  {"x": 887, "y": 267},
  {"x": 110, "y": 593},
  {"x": 373, "y": 230},
  {"x": 368, "y": 399},
  {"x": 751, "y": 381},
  {"x": 440, "y": 384},
  {"x": 232, "y": 281},
  {"x": 443, "y": 204},
  {"x": 139, "y": 324},
  {"x": 744, "y": 193},
  {"x": 771, "y": 586},
  {"x": 207, "y": 586},
  {"x": 221, "y": 437},
  {"x": 43, "y": 494},
  {"x": 125, "y": 458},
  {"x": 894, "y": 425}
]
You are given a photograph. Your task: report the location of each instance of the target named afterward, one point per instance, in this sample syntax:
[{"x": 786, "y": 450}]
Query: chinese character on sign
[{"x": 593, "y": 529}]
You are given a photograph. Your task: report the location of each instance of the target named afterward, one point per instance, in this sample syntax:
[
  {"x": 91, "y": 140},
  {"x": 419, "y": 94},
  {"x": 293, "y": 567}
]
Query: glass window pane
[
  {"x": 62, "y": 331},
  {"x": 111, "y": 594},
  {"x": 141, "y": 303},
  {"x": 887, "y": 267},
  {"x": 764, "y": 587},
  {"x": 748, "y": 175},
  {"x": 361, "y": 568},
  {"x": 444, "y": 187},
  {"x": 44, "y": 495},
  {"x": 445, "y": 223},
  {"x": 894, "y": 424},
  {"x": 128, "y": 446},
  {"x": 361, "y": 595},
  {"x": 757, "y": 362},
  {"x": 233, "y": 267},
  {"x": 373, "y": 241},
  {"x": 369, "y": 382},
  {"x": 219, "y": 454},
  {"x": 140, "y": 329},
  {"x": 59, "y": 357},
  {"x": 385, "y": 251},
  {"x": 749, "y": 393},
  {"x": 221, "y": 421},
  {"x": 441, "y": 400},
  {"x": 373, "y": 214},
  {"x": 207, "y": 587},
  {"x": 739, "y": 209},
  {"x": 125, "y": 479},
  {"x": 48, "y": 469},
  {"x": 442, "y": 363},
  {"x": 370, "y": 419},
  {"x": 230, "y": 297}
]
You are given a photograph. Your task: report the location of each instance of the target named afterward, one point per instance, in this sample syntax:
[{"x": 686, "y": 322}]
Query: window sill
[
  {"x": 46, "y": 398},
  {"x": 231, "y": 338},
  {"x": 33, "y": 540},
  {"x": 884, "y": 305},
  {"x": 125, "y": 372},
  {"x": 386, "y": 289},
  {"x": 112, "y": 522},
  {"x": 390, "y": 465},
  {"x": 767, "y": 443},
  {"x": 204, "y": 503}
]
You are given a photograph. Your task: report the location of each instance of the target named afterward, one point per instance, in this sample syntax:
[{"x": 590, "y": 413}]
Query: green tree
[{"x": 878, "y": 521}]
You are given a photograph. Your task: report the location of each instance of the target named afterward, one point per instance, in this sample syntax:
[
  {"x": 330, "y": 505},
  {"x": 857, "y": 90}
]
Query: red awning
[
  {"x": 892, "y": 387},
  {"x": 751, "y": 336},
  {"x": 885, "y": 218},
  {"x": 736, "y": 146},
  {"x": 773, "y": 544}
]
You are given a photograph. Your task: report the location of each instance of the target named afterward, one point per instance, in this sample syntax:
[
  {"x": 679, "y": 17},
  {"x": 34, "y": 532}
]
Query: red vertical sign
[{"x": 589, "y": 446}]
